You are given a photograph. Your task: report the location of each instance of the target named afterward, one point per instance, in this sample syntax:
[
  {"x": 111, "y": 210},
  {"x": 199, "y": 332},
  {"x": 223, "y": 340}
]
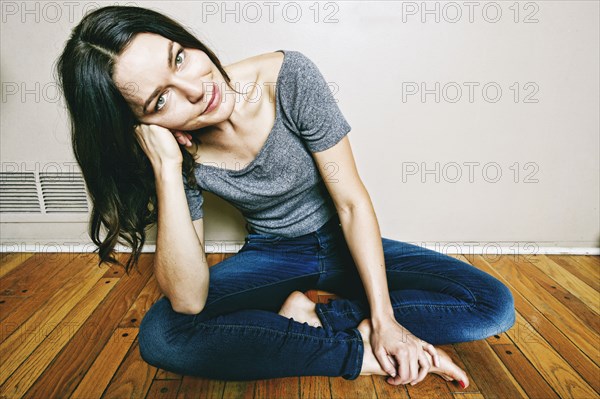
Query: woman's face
[{"x": 170, "y": 86}]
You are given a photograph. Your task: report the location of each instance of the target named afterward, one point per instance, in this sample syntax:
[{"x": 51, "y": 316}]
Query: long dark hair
[{"x": 118, "y": 174}]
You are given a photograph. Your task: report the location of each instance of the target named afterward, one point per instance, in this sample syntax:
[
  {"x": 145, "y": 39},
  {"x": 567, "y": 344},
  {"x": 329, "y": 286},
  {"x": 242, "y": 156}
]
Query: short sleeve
[
  {"x": 195, "y": 200},
  {"x": 315, "y": 111}
]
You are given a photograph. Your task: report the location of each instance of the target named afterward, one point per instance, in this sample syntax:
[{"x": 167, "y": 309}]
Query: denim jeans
[{"x": 239, "y": 335}]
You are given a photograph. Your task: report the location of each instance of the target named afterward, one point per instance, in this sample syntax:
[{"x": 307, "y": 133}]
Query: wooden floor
[{"x": 69, "y": 330}]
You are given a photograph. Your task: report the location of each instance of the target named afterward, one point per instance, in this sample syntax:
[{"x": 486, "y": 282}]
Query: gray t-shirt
[{"x": 281, "y": 191}]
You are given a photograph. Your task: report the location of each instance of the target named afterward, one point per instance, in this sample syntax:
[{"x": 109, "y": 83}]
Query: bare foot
[
  {"x": 448, "y": 370},
  {"x": 299, "y": 307}
]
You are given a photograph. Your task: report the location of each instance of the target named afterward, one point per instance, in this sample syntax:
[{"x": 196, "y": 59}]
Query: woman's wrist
[
  {"x": 167, "y": 170},
  {"x": 381, "y": 318}
]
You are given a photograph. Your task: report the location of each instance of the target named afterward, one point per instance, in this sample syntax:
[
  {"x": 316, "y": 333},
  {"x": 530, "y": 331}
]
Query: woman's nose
[{"x": 193, "y": 90}]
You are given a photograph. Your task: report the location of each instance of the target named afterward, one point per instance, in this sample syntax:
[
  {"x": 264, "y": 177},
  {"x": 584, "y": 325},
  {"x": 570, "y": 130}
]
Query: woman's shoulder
[
  {"x": 265, "y": 68},
  {"x": 270, "y": 65},
  {"x": 262, "y": 67}
]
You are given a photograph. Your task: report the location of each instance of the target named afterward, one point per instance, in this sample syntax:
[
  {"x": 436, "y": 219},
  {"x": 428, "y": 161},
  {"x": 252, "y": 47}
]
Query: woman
[{"x": 152, "y": 110}]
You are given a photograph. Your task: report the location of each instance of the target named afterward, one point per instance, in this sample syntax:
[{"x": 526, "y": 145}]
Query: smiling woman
[
  {"x": 133, "y": 80},
  {"x": 107, "y": 96}
]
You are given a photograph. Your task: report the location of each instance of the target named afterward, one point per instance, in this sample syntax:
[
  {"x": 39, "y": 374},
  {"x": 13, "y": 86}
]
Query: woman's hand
[
  {"x": 183, "y": 138},
  {"x": 160, "y": 144},
  {"x": 400, "y": 353}
]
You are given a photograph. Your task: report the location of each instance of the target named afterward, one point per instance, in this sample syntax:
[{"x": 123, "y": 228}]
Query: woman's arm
[
  {"x": 363, "y": 237},
  {"x": 180, "y": 263}
]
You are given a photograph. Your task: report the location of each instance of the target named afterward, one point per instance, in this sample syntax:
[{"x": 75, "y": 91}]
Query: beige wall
[{"x": 541, "y": 133}]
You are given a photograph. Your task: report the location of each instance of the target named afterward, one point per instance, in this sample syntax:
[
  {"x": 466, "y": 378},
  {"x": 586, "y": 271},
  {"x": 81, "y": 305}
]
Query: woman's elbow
[
  {"x": 189, "y": 305},
  {"x": 189, "y": 308}
]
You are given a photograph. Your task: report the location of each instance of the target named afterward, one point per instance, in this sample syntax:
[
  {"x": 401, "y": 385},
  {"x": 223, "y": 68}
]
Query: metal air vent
[
  {"x": 63, "y": 192},
  {"x": 42, "y": 192},
  {"x": 19, "y": 193}
]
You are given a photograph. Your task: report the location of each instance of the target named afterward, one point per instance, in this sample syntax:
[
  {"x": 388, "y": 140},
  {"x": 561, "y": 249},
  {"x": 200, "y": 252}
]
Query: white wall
[{"x": 541, "y": 133}]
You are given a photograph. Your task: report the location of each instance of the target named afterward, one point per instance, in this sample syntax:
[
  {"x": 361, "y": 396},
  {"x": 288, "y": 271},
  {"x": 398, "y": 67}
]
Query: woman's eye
[
  {"x": 179, "y": 56},
  {"x": 178, "y": 61},
  {"x": 159, "y": 103}
]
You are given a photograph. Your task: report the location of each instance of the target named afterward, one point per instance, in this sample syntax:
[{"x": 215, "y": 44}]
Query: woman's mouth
[{"x": 214, "y": 101}]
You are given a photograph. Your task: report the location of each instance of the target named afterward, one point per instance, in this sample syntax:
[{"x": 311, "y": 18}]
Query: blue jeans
[{"x": 239, "y": 335}]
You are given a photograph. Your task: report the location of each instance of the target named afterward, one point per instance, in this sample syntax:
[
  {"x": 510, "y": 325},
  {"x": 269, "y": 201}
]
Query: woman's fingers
[
  {"x": 403, "y": 361},
  {"x": 159, "y": 144},
  {"x": 412, "y": 362},
  {"x": 182, "y": 138},
  {"x": 411, "y": 366},
  {"x": 189, "y": 139},
  {"x": 433, "y": 352},
  {"x": 385, "y": 362},
  {"x": 425, "y": 366},
  {"x": 414, "y": 365}
]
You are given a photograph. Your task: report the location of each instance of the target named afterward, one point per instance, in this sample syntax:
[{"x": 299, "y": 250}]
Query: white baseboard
[{"x": 465, "y": 248}]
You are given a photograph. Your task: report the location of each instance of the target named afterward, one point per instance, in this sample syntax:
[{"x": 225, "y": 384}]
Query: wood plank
[
  {"x": 9, "y": 304},
  {"x": 388, "y": 391},
  {"x": 195, "y": 387},
  {"x": 4, "y": 255},
  {"x": 69, "y": 367},
  {"x": 555, "y": 370},
  {"x": 432, "y": 387},
  {"x": 571, "y": 283},
  {"x": 23, "y": 280},
  {"x": 167, "y": 375},
  {"x": 39, "y": 284},
  {"x": 362, "y": 387},
  {"x": 325, "y": 298},
  {"x": 524, "y": 372},
  {"x": 532, "y": 377},
  {"x": 493, "y": 379},
  {"x": 469, "y": 395},
  {"x": 315, "y": 387},
  {"x": 30, "y": 370},
  {"x": 106, "y": 364},
  {"x": 498, "y": 339},
  {"x": 313, "y": 295},
  {"x": 149, "y": 295},
  {"x": 10, "y": 261},
  {"x": 133, "y": 378},
  {"x": 532, "y": 332},
  {"x": 283, "y": 388},
  {"x": 552, "y": 309},
  {"x": 564, "y": 295},
  {"x": 214, "y": 258},
  {"x": 589, "y": 264},
  {"x": 164, "y": 389},
  {"x": 593, "y": 261},
  {"x": 114, "y": 270},
  {"x": 239, "y": 390},
  {"x": 583, "y": 272},
  {"x": 21, "y": 343}
]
